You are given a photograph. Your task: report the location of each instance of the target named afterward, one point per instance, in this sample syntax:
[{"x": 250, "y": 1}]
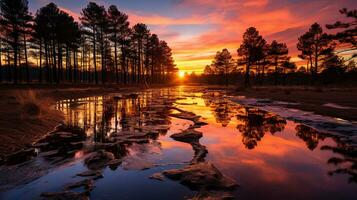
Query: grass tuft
[{"x": 31, "y": 104}]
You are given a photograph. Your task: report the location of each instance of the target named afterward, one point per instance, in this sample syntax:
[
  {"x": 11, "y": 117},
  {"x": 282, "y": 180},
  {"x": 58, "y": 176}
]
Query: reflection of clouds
[
  {"x": 276, "y": 159},
  {"x": 279, "y": 159}
]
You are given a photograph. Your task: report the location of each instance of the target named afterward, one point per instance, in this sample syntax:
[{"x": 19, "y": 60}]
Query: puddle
[
  {"x": 269, "y": 156},
  {"x": 337, "y": 126}
]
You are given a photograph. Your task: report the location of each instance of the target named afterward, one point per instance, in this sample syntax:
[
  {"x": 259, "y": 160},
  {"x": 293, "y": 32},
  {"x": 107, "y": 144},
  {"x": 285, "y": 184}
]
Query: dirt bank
[{"x": 334, "y": 102}]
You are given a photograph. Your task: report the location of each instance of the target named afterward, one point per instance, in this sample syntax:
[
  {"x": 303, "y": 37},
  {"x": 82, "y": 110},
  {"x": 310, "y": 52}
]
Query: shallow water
[{"x": 269, "y": 157}]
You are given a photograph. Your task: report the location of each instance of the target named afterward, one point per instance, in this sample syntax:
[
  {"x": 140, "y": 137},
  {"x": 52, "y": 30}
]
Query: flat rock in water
[
  {"x": 213, "y": 195},
  {"x": 200, "y": 176},
  {"x": 90, "y": 173},
  {"x": 20, "y": 156},
  {"x": 88, "y": 184},
  {"x": 99, "y": 159},
  {"x": 185, "y": 115},
  {"x": 157, "y": 176},
  {"x": 65, "y": 195},
  {"x": 189, "y": 135},
  {"x": 115, "y": 162}
]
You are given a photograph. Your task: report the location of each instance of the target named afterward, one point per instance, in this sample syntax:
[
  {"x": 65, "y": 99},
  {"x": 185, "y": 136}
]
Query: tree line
[
  {"x": 260, "y": 61},
  {"x": 52, "y": 47}
]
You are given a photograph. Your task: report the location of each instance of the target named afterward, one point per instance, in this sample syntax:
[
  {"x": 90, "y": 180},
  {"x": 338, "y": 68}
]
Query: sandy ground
[{"x": 334, "y": 102}]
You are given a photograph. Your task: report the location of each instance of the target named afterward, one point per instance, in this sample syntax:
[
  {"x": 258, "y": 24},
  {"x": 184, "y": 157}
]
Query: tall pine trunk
[
  {"x": 40, "y": 67},
  {"x": 1, "y": 71},
  {"x": 26, "y": 61},
  {"x": 102, "y": 55},
  {"x": 116, "y": 59},
  {"x": 15, "y": 62},
  {"x": 94, "y": 58}
]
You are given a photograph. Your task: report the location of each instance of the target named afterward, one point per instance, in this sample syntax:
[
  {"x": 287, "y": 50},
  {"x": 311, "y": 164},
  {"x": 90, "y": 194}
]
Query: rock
[
  {"x": 198, "y": 123},
  {"x": 20, "y": 156},
  {"x": 200, "y": 152},
  {"x": 115, "y": 162},
  {"x": 185, "y": 115},
  {"x": 40, "y": 145},
  {"x": 213, "y": 195},
  {"x": 64, "y": 139},
  {"x": 185, "y": 104},
  {"x": 66, "y": 195},
  {"x": 99, "y": 159},
  {"x": 156, "y": 128},
  {"x": 90, "y": 173},
  {"x": 52, "y": 153},
  {"x": 200, "y": 176},
  {"x": 188, "y": 135},
  {"x": 157, "y": 176},
  {"x": 88, "y": 184}
]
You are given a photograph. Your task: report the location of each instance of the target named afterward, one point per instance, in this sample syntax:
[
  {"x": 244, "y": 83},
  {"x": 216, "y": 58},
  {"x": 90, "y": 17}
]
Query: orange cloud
[
  {"x": 154, "y": 19},
  {"x": 75, "y": 15},
  {"x": 195, "y": 46}
]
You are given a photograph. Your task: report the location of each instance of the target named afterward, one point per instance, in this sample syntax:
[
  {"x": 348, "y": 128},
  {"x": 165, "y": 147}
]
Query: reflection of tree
[
  {"x": 309, "y": 135},
  {"x": 345, "y": 151},
  {"x": 346, "y": 161},
  {"x": 255, "y": 123},
  {"x": 223, "y": 112},
  {"x": 222, "y": 109}
]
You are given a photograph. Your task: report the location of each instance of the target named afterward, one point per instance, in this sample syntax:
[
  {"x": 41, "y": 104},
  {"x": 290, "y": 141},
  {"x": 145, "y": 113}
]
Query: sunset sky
[{"x": 196, "y": 29}]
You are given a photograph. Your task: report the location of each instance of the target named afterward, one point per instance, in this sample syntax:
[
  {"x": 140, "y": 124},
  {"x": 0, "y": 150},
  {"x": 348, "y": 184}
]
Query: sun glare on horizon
[{"x": 181, "y": 74}]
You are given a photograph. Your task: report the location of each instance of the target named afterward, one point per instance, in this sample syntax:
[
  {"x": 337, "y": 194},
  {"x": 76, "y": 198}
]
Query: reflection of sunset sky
[
  {"x": 196, "y": 29},
  {"x": 280, "y": 161}
]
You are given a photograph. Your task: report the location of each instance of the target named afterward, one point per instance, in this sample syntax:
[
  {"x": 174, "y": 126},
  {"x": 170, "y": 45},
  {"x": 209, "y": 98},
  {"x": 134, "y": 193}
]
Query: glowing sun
[{"x": 181, "y": 74}]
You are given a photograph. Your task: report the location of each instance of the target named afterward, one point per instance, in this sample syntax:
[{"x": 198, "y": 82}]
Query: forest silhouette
[
  {"x": 51, "y": 47},
  {"x": 269, "y": 63}
]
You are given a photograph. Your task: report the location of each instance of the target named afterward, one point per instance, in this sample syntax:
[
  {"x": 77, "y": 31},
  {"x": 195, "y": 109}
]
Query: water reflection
[
  {"x": 260, "y": 150},
  {"x": 255, "y": 123},
  {"x": 344, "y": 151},
  {"x": 309, "y": 135},
  {"x": 223, "y": 110}
]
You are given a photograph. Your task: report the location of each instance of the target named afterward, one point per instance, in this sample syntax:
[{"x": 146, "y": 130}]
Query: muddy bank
[
  {"x": 25, "y": 116},
  {"x": 27, "y": 112},
  {"x": 317, "y": 100}
]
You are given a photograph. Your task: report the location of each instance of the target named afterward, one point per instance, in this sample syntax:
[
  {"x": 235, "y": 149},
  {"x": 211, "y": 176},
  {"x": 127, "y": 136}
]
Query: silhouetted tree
[
  {"x": 152, "y": 56},
  {"x": 208, "y": 70},
  {"x": 251, "y": 51},
  {"x": 56, "y": 30},
  {"x": 89, "y": 21},
  {"x": 1, "y": 70},
  {"x": 223, "y": 63},
  {"x": 167, "y": 66},
  {"x": 348, "y": 33},
  {"x": 278, "y": 54},
  {"x": 14, "y": 15},
  {"x": 315, "y": 45},
  {"x": 140, "y": 38},
  {"x": 118, "y": 28}
]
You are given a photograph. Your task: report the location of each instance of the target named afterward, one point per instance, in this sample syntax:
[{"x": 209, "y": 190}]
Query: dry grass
[
  {"x": 25, "y": 116},
  {"x": 31, "y": 105}
]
